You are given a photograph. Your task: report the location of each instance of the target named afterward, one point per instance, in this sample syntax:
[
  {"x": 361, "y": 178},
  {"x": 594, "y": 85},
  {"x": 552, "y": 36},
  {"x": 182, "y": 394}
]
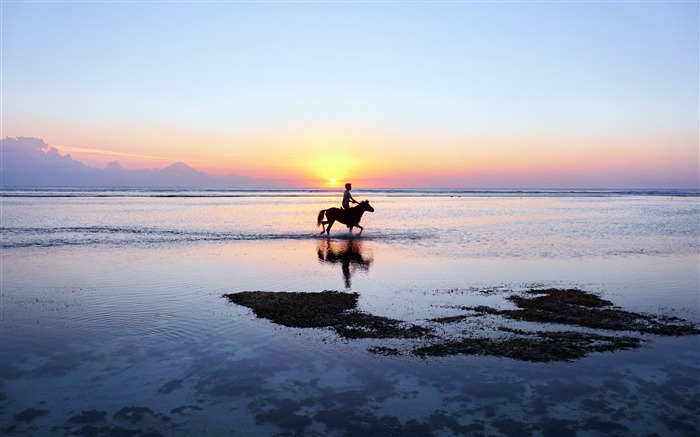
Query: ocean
[{"x": 115, "y": 316}]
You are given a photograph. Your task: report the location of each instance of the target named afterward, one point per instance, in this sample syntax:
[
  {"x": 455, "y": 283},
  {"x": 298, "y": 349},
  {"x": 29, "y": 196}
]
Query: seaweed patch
[
  {"x": 577, "y": 311},
  {"x": 576, "y": 307},
  {"x": 539, "y": 346},
  {"x": 327, "y": 309},
  {"x": 30, "y": 414}
]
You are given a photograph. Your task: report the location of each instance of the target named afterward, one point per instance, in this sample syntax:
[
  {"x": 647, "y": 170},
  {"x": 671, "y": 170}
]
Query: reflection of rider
[
  {"x": 347, "y": 197},
  {"x": 348, "y": 254}
]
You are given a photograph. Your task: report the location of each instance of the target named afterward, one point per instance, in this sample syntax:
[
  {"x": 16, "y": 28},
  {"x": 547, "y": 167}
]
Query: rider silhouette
[{"x": 347, "y": 197}]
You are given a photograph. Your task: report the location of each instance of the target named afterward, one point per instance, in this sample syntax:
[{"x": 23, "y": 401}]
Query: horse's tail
[{"x": 320, "y": 216}]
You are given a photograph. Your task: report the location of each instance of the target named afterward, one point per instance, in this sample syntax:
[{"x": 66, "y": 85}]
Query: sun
[{"x": 333, "y": 181}]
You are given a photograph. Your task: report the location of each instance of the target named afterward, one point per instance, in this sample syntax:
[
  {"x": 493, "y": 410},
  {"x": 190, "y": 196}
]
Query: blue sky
[{"x": 193, "y": 82}]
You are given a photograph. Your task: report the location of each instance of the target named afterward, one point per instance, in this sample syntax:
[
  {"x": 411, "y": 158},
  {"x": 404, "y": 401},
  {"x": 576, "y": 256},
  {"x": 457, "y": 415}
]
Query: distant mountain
[
  {"x": 182, "y": 173},
  {"x": 181, "y": 169},
  {"x": 33, "y": 162}
]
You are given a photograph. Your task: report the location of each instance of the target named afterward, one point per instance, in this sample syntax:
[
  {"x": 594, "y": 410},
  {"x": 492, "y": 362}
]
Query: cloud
[
  {"x": 31, "y": 162},
  {"x": 99, "y": 152}
]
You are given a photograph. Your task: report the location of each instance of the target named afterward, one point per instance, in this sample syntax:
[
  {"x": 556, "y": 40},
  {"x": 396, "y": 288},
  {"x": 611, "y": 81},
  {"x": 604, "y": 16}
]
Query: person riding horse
[
  {"x": 347, "y": 197},
  {"x": 349, "y": 217}
]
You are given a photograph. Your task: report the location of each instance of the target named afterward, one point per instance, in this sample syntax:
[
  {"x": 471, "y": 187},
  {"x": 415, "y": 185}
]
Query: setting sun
[{"x": 333, "y": 181}]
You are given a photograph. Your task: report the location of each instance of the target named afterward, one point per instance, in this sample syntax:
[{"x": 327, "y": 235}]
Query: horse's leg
[
  {"x": 324, "y": 227},
  {"x": 361, "y": 229},
  {"x": 330, "y": 224}
]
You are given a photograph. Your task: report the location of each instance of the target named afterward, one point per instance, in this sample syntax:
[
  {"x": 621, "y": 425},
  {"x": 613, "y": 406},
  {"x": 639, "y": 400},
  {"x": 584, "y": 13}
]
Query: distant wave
[
  {"x": 321, "y": 192},
  {"x": 118, "y": 236}
]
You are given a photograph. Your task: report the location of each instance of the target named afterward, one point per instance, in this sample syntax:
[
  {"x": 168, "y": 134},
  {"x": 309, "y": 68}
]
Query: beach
[{"x": 117, "y": 314}]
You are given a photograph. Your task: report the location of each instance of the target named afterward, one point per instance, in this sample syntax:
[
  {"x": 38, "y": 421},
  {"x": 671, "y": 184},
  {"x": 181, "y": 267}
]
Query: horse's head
[{"x": 366, "y": 206}]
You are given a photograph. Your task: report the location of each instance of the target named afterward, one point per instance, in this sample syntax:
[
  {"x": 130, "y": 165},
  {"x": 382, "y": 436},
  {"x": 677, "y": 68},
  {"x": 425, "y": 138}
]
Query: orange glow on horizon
[{"x": 378, "y": 160}]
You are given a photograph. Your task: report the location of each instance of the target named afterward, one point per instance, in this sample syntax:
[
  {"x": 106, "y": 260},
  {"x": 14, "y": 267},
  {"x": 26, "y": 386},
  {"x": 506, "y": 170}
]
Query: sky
[{"x": 382, "y": 94}]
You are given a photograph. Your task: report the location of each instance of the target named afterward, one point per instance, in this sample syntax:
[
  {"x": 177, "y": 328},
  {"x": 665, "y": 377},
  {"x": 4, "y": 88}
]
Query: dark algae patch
[
  {"x": 576, "y": 307},
  {"x": 576, "y": 311},
  {"x": 537, "y": 346},
  {"x": 383, "y": 350},
  {"x": 127, "y": 422},
  {"x": 298, "y": 310},
  {"x": 92, "y": 416},
  {"x": 30, "y": 414},
  {"x": 327, "y": 309}
]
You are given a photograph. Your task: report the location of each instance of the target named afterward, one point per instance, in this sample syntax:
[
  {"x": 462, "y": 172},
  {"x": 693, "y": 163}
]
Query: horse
[{"x": 350, "y": 217}]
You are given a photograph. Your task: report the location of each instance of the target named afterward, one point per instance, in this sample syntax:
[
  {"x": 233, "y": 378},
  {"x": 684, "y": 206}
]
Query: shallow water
[{"x": 113, "y": 306}]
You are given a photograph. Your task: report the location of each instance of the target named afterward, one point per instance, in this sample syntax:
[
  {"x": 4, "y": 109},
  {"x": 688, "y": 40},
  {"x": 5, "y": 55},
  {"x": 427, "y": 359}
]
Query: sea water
[{"x": 113, "y": 315}]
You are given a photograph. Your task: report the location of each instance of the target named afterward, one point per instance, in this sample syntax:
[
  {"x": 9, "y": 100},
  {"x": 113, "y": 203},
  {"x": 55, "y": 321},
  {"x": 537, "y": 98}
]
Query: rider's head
[{"x": 348, "y": 186}]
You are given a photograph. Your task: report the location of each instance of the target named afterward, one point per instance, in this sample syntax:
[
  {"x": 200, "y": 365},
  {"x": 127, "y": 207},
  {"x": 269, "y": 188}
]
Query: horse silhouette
[{"x": 349, "y": 217}]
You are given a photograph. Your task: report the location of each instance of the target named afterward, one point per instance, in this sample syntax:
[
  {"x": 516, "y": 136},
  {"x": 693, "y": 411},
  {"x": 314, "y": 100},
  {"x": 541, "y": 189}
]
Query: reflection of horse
[
  {"x": 347, "y": 253},
  {"x": 350, "y": 217}
]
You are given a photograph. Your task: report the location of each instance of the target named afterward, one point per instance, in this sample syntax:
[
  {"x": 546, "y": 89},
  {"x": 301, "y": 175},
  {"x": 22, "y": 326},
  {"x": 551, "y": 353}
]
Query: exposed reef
[
  {"x": 576, "y": 311},
  {"x": 532, "y": 346},
  {"x": 576, "y": 307},
  {"x": 327, "y": 309}
]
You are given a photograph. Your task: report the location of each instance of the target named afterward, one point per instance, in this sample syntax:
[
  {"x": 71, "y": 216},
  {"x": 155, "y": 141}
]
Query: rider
[{"x": 347, "y": 197}]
